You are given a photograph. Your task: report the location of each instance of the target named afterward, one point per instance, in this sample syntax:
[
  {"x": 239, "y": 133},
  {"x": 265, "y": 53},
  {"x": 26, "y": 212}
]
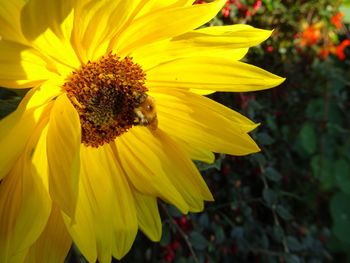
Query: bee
[{"x": 146, "y": 113}]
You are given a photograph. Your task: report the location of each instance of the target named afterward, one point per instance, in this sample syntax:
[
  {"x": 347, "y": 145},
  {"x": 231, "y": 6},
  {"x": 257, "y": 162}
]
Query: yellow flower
[{"x": 114, "y": 117}]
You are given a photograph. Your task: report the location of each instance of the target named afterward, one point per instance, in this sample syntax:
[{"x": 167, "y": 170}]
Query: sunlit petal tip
[
  {"x": 148, "y": 216},
  {"x": 253, "y": 127},
  {"x": 156, "y": 238},
  {"x": 279, "y": 80},
  {"x": 254, "y": 148},
  {"x": 264, "y": 34},
  {"x": 270, "y": 80},
  {"x": 212, "y": 199},
  {"x": 208, "y": 196}
]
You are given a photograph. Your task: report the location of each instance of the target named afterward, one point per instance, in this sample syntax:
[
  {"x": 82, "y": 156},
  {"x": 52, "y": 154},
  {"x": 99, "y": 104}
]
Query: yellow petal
[
  {"x": 178, "y": 167},
  {"x": 51, "y": 44},
  {"x": 209, "y": 73},
  {"x": 25, "y": 208},
  {"x": 82, "y": 230},
  {"x": 164, "y": 24},
  {"x": 96, "y": 22},
  {"x": 148, "y": 216},
  {"x": 40, "y": 165},
  {"x": 54, "y": 242},
  {"x": 139, "y": 158},
  {"x": 203, "y": 123},
  {"x": 99, "y": 194},
  {"x": 202, "y": 91},
  {"x": 23, "y": 67},
  {"x": 49, "y": 26},
  {"x": 198, "y": 154},
  {"x": 10, "y": 28},
  {"x": 63, "y": 146},
  {"x": 221, "y": 41},
  {"x": 164, "y": 51},
  {"x": 156, "y": 5},
  {"x": 233, "y": 36},
  {"x": 16, "y": 128},
  {"x": 39, "y": 15},
  {"x": 106, "y": 195}
]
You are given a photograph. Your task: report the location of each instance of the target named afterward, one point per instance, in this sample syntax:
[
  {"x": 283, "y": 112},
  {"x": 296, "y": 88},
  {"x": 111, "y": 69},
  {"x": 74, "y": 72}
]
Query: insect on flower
[{"x": 146, "y": 113}]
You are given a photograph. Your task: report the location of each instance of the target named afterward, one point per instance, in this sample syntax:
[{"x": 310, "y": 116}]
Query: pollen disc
[{"x": 107, "y": 95}]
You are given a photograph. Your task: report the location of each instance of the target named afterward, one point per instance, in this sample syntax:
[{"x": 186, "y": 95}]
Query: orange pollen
[{"x": 110, "y": 97}]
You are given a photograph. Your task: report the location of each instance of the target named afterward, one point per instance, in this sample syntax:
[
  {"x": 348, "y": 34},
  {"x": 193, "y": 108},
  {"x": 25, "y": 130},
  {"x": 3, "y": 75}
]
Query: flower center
[{"x": 110, "y": 97}]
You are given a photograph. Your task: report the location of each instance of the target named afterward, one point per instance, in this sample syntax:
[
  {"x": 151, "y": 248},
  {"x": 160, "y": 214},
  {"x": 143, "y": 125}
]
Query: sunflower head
[
  {"x": 113, "y": 119},
  {"x": 108, "y": 95}
]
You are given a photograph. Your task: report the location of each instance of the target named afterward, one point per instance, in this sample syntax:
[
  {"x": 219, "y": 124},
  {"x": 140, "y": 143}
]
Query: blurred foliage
[{"x": 291, "y": 202}]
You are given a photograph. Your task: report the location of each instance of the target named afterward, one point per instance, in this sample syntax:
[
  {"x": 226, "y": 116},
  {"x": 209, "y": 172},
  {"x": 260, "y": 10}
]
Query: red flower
[
  {"x": 227, "y": 9},
  {"x": 341, "y": 47},
  {"x": 311, "y": 35},
  {"x": 336, "y": 20},
  {"x": 257, "y": 5},
  {"x": 269, "y": 48}
]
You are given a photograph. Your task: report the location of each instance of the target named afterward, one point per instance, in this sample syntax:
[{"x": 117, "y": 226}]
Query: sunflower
[{"x": 113, "y": 117}]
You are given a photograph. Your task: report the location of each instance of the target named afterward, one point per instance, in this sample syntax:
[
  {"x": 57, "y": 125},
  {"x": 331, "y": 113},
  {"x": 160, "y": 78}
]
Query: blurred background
[{"x": 291, "y": 202}]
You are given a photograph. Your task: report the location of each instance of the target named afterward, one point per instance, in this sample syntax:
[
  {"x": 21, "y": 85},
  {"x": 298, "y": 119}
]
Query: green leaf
[
  {"x": 219, "y": 234},
  {"x": 322, "y": 168},
  {"x": 202, "y": 166},
  {"x": 9, "y": 101},
  {"x": 307, "y": 137},
  {"x": 260, "y": 159},
  {"x": 340, "y": 211},
  {"x": 265, "y": 139},
  {"x": 283, "y": 212},
  {"x": 314, "y": 109},
  {"x": 203, "y": 220},
  {"x": 173, "y": 211},
  {"x": 166, "y": 236},
  {"x": 294, "y": 244},
  {"x": 264, "y": 241},
  {"x": 278, "y": 233},
  {"x": 271, "y": 122},
  {"x": 272, "y": 174},
  {"x": 198, "y": 241},
  {"x": 342, "y": 173},
  {"x": 269, "y": 196},
  {"x": 292, "y": 259}
]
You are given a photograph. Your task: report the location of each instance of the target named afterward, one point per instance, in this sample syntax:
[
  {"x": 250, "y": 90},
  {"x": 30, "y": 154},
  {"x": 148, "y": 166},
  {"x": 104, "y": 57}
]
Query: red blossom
[
  {"x": 257, "y": 4},
  {"x": 311, "y": 35},
  {"x": 170, "y": 256},
  {"x": 227, "y": 9},
  {"x": 336, "y": 20},
  {"x": 175, "y": 244},
  {"x": 341, "y": 47},
  {"x": 269, "y": 49}
]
